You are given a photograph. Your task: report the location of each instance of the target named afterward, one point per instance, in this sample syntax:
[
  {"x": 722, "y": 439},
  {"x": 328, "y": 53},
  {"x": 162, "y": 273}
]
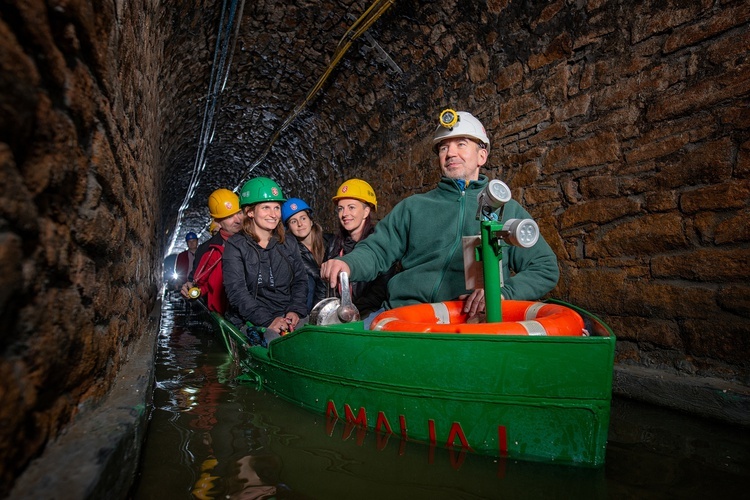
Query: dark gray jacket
[
  {"x": 316, "y": 287},
  {"x": 263, "y": 283}
]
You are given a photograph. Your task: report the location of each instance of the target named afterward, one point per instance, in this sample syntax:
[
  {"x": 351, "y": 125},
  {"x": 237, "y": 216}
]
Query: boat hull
[{"x": 532, "y": 398}]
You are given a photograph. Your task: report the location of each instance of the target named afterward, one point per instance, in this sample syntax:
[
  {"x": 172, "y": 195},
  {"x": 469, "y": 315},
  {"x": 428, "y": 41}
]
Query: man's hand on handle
[
  {"x": 330, "y": 270},
  {"x": 474, "y": 303}
]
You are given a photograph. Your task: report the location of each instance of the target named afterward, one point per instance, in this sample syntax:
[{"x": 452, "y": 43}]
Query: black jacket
[
  {"x": 368, "y": 296},
  {"x": 263, "y": 283},
  {"x": 316, "y": 286}
]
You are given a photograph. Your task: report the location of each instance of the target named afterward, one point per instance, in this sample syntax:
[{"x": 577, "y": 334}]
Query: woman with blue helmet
[{"x": 297, "y": 217}]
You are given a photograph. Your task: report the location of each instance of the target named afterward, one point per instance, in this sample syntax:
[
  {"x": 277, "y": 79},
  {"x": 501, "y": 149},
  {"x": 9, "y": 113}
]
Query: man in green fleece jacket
[{"x": 424, "y": 232}]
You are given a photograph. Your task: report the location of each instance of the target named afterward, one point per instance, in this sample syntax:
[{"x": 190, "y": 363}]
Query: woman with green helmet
[{"x": 264, "y": 276}]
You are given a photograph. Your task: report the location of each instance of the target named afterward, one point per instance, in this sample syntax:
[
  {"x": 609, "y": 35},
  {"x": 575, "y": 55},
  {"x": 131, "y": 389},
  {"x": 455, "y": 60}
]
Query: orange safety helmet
[{"x": 358, "y": 190}]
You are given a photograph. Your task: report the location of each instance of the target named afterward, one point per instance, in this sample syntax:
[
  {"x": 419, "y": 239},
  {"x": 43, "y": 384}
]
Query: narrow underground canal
[{"x": 210, "y": 437}]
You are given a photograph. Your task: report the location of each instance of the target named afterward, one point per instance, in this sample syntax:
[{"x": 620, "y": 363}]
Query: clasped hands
[{"x": 286, "y": 323}]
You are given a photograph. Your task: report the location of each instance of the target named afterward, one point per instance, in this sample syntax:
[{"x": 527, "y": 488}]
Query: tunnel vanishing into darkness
[{"x": 621, "y": 126}]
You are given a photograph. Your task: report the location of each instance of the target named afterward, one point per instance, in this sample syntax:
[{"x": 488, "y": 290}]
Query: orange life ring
[{"x": 520, "y": 317}]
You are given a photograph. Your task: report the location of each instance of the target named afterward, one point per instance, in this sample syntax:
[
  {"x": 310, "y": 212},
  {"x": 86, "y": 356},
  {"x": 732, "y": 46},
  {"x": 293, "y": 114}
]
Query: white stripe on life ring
[
  {"x": 533, "y": 310},
  {"x": 382, "y": 323},
  {"x": 533, "y": 327},
  {"x": 441, "y": 313}
]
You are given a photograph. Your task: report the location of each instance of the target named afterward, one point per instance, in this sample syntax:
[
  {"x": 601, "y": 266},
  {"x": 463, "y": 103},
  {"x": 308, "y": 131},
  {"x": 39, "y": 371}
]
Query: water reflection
[{"x": 210, "y": 437}]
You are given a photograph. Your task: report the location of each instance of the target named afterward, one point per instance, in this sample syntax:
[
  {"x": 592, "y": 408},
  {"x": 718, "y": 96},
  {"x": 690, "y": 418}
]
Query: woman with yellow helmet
[{"x": 355, "y": 202}]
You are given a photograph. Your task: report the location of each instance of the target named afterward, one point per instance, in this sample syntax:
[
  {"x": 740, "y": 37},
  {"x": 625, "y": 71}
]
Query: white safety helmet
[{"x": 460, "y": 124}]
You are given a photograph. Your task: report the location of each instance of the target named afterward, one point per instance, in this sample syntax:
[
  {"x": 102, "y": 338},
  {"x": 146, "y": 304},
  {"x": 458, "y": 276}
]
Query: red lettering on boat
[
  {"x": 502, "y": 440},
  {"x": 381, "y": 440},
  {"x": 501, "y": 465},
  {"x": 360, "y": 419},
  {"x": 457, "y": 432},
  {"x": 382, "y": 422},
  {"x": 349, "y": 427},
  {"x": 347, "y": 432},
  {"x": 457, "y": 461},
  {"x": 331, "y": 410},
  {"x": 383, "y": 429},
  {"x": 361, "y": 433},
  {"x": 331, "y": 425}
]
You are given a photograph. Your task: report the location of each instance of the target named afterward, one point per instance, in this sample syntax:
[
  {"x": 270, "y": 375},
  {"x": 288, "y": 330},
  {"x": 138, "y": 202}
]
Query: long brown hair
[
  {"x": 318, "y": 243},
  {"x": 248, "y": 225},
  {"x": 318, "y": 249}
]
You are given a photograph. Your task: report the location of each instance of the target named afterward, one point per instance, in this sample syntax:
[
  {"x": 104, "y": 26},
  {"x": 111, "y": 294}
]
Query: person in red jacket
[
  {"x": 185, "y": 260},
  {"x": 207, "y": 276}
]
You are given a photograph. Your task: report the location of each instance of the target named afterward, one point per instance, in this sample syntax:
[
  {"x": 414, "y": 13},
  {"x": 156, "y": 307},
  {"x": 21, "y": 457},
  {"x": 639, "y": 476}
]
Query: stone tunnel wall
[
  {"x": 621, "y": 126},
  {"x": 79, "y": 196}
]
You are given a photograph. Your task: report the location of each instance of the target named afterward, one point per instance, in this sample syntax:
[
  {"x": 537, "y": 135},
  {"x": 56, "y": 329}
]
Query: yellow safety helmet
[
  {"x": 213, "y": 227},
  {"x": 358, "y": 190},
  {"x": 223, "y": 203}
]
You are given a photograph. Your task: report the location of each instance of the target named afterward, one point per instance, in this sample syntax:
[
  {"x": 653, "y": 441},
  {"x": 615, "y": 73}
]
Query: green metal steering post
[{"x": 491, "y": 255}]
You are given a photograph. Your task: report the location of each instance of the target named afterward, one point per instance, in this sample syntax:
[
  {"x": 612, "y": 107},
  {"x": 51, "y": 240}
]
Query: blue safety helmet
[
  {"x": 191, "y": 236},
  {"x": 291, "y": 207}
]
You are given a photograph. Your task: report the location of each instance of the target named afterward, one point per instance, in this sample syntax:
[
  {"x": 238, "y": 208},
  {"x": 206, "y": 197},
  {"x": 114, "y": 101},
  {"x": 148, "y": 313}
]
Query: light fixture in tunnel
[
  {"x": 494, "y": 195},
  {"x": 520, "y": 232}
]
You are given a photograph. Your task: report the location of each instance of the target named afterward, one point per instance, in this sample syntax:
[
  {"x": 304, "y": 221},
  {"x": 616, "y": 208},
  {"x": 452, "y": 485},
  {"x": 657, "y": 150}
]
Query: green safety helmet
[{"x": 259, "y": 190}]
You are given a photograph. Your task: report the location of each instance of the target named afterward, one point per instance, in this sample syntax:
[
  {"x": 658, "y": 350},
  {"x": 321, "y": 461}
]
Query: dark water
[{"x": 210, "y": 437}]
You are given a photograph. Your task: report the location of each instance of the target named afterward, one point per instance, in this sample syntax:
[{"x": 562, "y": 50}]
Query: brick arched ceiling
[{"x": 235, "y": 71}]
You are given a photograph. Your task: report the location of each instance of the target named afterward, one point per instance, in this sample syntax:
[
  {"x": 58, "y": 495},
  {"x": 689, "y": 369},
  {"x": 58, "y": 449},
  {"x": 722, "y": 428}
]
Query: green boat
[
  {"x": 529, "y": 397},
  {"x": 532, "y": 398}
]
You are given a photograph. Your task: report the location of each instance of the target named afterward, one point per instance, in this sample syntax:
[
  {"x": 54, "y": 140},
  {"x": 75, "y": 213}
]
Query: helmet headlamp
[{"x": 448, "y": 118}]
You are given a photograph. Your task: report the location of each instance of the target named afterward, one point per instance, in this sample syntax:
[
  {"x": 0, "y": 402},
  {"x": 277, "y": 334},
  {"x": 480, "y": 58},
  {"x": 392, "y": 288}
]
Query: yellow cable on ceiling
[{"x": 359, "y": 26}]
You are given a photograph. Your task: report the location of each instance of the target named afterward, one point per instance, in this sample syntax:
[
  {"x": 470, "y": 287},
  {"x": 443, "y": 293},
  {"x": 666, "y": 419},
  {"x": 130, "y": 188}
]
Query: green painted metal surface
[{"x": 538, "y": 398}]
